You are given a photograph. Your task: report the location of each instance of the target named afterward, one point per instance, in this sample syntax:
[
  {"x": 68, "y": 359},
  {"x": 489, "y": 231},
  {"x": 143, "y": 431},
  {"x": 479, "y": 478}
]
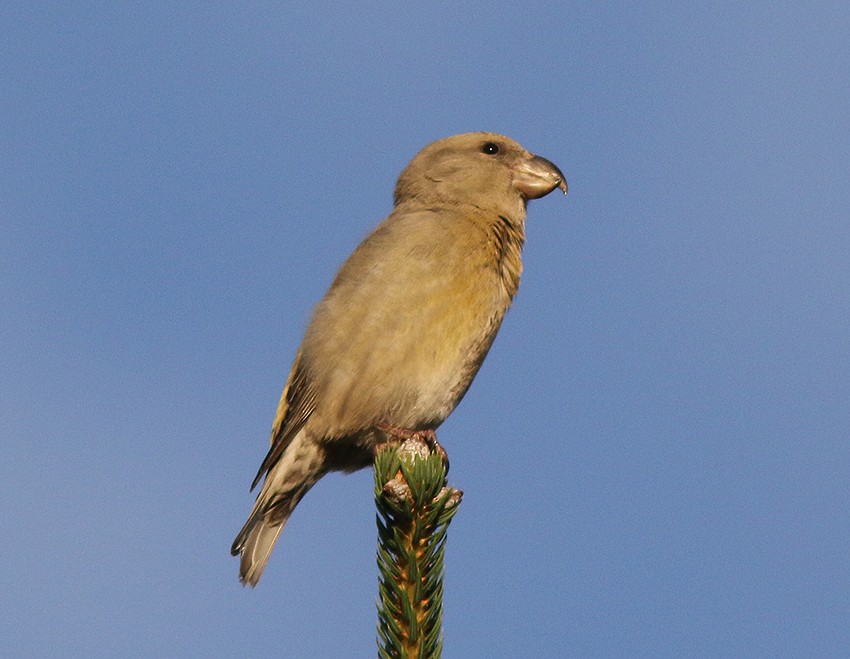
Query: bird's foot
[{"x": 428, "y": 437}]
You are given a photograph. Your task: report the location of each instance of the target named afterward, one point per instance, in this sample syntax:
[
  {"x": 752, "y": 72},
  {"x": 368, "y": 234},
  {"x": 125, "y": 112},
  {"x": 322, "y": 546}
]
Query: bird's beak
[{"x": 536, "y": 177}]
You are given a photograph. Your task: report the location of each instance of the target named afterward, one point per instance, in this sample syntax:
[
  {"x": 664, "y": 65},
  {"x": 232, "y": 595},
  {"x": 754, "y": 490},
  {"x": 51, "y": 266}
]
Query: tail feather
[
  {"x": 255, "y": 543},
  {"x": 301, "y": 465}
]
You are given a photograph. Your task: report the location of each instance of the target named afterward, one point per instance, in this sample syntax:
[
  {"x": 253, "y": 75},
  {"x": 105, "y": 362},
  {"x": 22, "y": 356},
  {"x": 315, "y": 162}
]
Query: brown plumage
[{"x": 405, "y": 325}]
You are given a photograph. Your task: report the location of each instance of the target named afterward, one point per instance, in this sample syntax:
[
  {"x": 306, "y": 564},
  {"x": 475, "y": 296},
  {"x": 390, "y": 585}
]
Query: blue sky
[{"x": 655, "y": 455}]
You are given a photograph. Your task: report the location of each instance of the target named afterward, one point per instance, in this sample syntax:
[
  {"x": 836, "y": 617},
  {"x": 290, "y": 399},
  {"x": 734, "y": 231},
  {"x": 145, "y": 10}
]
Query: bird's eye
[{"x": 490, "y": 148}]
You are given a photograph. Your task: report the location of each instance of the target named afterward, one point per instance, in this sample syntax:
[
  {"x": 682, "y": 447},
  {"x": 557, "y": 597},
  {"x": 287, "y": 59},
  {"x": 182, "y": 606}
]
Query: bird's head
[{"x": 483, "y": 169}]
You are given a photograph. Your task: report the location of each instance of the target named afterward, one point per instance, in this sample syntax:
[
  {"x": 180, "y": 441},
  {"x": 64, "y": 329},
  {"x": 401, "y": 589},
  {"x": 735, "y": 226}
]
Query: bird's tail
[
  {"x": 287, "y": 482},
  {"x": 259, "y": 535}
]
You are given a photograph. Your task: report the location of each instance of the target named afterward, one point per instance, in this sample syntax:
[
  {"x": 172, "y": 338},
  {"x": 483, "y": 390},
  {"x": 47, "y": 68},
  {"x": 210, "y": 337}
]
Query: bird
[{"x": 405, "y": 325}]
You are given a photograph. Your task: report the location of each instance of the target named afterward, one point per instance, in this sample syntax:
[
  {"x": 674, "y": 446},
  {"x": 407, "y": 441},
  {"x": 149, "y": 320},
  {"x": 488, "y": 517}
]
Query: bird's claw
[{"x": 406, "y": 437}]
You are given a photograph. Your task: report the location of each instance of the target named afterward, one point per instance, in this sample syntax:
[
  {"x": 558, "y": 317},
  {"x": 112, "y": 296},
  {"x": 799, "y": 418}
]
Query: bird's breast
[{"x": 407, "y": 324}]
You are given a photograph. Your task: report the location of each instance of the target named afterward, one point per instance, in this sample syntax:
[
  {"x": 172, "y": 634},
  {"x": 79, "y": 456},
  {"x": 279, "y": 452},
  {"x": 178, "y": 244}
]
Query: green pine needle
[{"x": 414, "y": 511}]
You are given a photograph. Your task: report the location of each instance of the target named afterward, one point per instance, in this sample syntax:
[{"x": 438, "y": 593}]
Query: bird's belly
[{"x": 412, "y": 368}]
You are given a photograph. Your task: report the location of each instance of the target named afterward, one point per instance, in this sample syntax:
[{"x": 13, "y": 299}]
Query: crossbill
[{"x": 405, "y": 325}]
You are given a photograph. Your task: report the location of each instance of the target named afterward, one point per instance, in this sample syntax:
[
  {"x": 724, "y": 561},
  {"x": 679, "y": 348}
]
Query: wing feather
[{"x": 297, "y": 403}]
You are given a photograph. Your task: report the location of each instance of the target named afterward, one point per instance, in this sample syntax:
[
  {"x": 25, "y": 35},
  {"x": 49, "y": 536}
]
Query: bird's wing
[{"x": 297, "y": 403}]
